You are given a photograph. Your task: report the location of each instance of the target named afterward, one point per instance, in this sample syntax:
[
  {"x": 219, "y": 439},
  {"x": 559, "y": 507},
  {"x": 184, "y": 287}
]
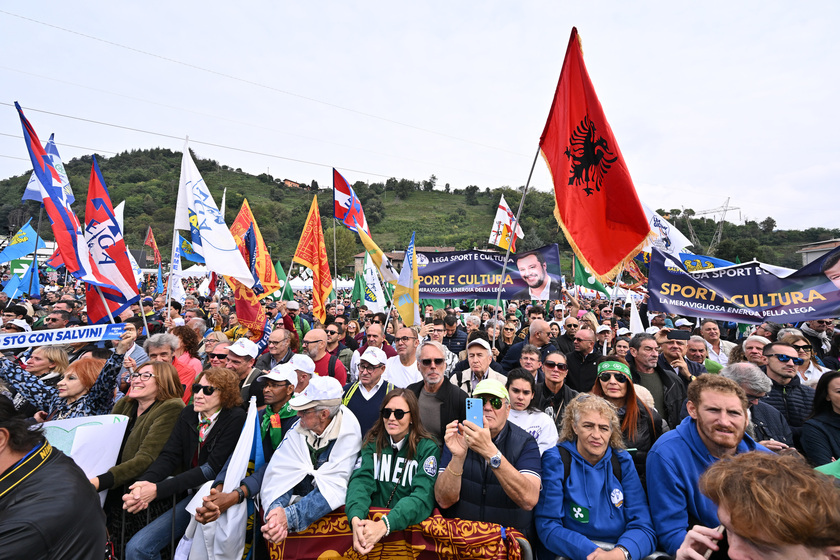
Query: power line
[
  {"x": 212, "y": 144},
  {"x": 261, "y": 85},
  {"x": 241, "y": 123},
  {"x": 93, "y": 150}
]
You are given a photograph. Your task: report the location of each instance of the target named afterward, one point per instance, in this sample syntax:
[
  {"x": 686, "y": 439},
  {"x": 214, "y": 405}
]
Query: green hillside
[{"x": 148, "y": 181}]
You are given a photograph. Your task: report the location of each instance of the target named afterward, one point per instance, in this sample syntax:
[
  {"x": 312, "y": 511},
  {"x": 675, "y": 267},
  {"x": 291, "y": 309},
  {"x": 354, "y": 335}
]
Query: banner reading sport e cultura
[
  {"x": 477, "y": 274},
  {"x": 747, "y": 293}
]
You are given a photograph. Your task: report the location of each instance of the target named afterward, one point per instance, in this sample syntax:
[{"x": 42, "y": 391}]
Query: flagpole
[
  {"x": 513, "y": 237},
  {"x": 335, "y": 253},
  {"x": 105, "y": 303},
  {"x": 143, "y": 315},
  {"x": 35, "y": 253}
]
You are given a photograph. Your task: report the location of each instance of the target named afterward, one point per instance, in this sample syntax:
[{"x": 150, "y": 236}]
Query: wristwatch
[
  {"x": 496, "y": 460},
  {"x": 625, "y": 551}
]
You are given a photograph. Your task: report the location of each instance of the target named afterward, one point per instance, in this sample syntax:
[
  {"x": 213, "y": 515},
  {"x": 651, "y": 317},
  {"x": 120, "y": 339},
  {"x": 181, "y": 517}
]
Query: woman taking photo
[
  {"x": 591, "y": 490},
  {"x": 152, "y": 405},
  {"x": 821, "y": 432},
  {"x": 640, "y": 426},
  {"x": 203, "y": 438},
  {"x": 86, "y": 388},
  {"x": 408, "y": 492}
]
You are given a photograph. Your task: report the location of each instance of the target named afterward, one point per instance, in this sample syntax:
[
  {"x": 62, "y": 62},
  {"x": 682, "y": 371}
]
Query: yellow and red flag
[
  {"x": 312, "y": 253},
  {"x": 596, "y": 202},
  {"x": 150, "y": 242}
]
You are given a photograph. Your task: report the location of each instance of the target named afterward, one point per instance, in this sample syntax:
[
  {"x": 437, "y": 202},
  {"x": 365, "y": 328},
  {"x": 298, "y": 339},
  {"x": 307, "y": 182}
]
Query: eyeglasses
[
  {"x": 784, "y": 358},
  {"x": 276, "y": 342},
  {"x": 438, "y": 330},
  {"x": 508, "y": 329},
  {"x": 398, "y": 414},
  {"x": 404, "y": 339},
  {"x": 428, "y": 361},
  {"x": 495, "y": 402},
  {"x": 368, "y": 367},
  {"x": 376, "y": 322},
  {"x": 802, "y": 347},
  {"x": 331, "y": 332},
  {"x": 572, "y": 325},
  {"x": 823, "y": 322},
  {"x": 620, "y": 377},
  {"x": 308, "y": 342},
  {"x": 207, "y": 389},
  {"x": 755, "y": 398},
  {"x": 52, "y": 319},
  {"x": 145, "y": 376},
  {"x": 582, "y": 339},
  {"x": 555, "y": 365},
  {"x": 217, "y": 356}
]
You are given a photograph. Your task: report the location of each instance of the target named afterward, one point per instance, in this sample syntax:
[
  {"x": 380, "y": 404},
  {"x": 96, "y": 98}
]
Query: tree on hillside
[
  {"x": 446, "y": 188},
  {"x": 429, "y": 184},
  {"x": 471, "y": 194},
  {"x": 346, "y": 249},
  {"x": 768, "y": 225},
  {"x": 374, "y": 211},
  {"x": 405, "y": 188}
]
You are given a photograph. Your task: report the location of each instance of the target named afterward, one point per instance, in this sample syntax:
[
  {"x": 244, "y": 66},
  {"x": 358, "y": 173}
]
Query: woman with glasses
[
  {"x": 552, "y": 395},
  {"x": 152, "y": 404},
  {"x": 507, "y": 339},
  {"x": 590, "y": 489},
  {"x": 821, "y": 432},
  {"x": 398, "y": 471},
  {"x": 86, "y": 387},
  {"x": 809, "y": 370},
  {"x": 204, "y": 436},
  {"x": 523, "y": 412},
  {"x": 641, "y": 426}
]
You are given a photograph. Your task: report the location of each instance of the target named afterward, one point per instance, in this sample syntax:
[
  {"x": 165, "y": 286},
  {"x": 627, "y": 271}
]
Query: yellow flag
[
  {"x": 407, "y": 291},
  {"x": 383, "y": 265}
]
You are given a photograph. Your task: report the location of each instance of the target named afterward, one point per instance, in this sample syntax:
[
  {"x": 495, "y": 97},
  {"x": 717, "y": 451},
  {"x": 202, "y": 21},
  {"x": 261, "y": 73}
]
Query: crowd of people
[{"x": 594, "y": 442}]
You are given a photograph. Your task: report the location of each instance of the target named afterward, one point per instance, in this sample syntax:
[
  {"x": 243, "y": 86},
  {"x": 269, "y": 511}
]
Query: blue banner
[
  {"x": 747, "y": 293},
  {"x": 533, "y": 275}
]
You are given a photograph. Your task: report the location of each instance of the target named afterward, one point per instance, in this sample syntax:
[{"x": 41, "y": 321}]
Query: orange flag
[
  {"x": 596, "y": 202},
  {"x": 312, "y": 253},
  {"x": 150, "y": 241}
]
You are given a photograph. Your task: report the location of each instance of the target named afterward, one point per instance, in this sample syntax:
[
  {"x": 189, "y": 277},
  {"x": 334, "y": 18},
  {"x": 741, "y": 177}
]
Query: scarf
[
  {"x": 825, "y": 342},
  {"x": 272, "y": 426},
  {"x": 287, "y": 468}
]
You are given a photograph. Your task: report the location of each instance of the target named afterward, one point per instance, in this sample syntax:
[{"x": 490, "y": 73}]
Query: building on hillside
[
  {"x": 290, "y": 183},
  {"x": 813, "y": 251}
]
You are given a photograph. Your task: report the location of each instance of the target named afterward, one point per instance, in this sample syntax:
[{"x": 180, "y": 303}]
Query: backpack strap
[
  {"x": 331, "y": 368},
  {"x": 566, "y": 458},
  {"x": 349, "y": 394}
]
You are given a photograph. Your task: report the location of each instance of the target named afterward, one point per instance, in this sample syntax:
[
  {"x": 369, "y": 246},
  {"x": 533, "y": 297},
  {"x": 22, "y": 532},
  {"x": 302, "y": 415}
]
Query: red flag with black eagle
[{"x": 596, "y": 203}]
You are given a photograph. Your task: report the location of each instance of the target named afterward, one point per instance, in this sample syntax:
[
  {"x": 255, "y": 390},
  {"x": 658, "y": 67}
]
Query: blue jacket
[
  {"x": 617, "y": 511},
  {"x": 674, "y": 465}
]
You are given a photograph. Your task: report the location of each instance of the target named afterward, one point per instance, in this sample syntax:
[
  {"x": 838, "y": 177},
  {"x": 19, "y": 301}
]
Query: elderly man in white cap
[
  {"x": 309, "y": 478},
  {"x": 275, "y": 421},
  {"x": 479, "y": 357},
  {"x": 305, "y": 369},
  {"x": 365, "y": 395},
  {"x": 241, "y": 357}
]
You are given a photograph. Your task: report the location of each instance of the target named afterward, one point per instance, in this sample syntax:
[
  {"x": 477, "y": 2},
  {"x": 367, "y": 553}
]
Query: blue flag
[
  {"x": 160, "y": 280},
  {"x": 33, "y": 189},
  {"x": 12, "y": 286},
  {"x": 30, "y": 283},
  {"x": 187, "y": 249},
  {"x": 22, "y": 244}
]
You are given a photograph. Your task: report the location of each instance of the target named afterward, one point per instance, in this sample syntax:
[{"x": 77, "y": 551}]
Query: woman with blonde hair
[{"x": 591, "y": 490}]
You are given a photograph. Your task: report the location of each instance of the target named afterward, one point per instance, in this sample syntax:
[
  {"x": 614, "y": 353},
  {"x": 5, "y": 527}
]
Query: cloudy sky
[{"x": 707, "y": 101}]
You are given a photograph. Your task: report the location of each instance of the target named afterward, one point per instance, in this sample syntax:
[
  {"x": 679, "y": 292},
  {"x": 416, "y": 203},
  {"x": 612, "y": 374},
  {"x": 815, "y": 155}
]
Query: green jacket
[
  {"x": 144, "y": 443},
  {"x": 414, "y": 497}
]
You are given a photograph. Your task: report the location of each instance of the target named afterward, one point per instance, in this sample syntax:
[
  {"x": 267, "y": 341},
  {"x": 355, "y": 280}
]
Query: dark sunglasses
[
  {"x": 620, "y": 377},
  {"x": 428, "y": 361},
  {"x": 495, "y": 402},
  {"x": 207, "y": 389},
  {"x": 784, "y": 358},
  {"x": 752, "y": 398},
  {"x": 332, "y": 332},
  {"x": 555, "y": 365},
  {"x": 217, "y": 356},
  {"x": 508, "y": 329},
  {"x": 398, "y": 414},
  {"x": 802, "y": 347}
]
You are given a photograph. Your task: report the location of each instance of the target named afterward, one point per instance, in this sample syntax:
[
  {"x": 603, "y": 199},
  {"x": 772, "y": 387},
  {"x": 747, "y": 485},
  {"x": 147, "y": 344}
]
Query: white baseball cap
[
  {"x": 374, "y": 356},
  {"x": 303, "y": 363},
  {"x": 622, "y": 331},
  {"x": 683, "y": 323},
  {"x": 281, "y": 372},
  {"x": 652, "y": 330},
  {"x": 603, "y": 328},
  {"x": 479, "y": 342},
  {"x": 244, "y": 347},
  {"x": 324, "y": 391}
]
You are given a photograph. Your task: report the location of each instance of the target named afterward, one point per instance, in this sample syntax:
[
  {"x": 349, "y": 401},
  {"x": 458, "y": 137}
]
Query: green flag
[
  {"x": 286, "y": 292},
  {"x": 584, "y": 278},
  {"x": 358, "y": 289}
]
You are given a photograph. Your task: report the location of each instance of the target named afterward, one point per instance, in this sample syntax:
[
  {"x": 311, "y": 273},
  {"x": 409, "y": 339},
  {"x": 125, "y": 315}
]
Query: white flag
[
  {"x": 500, "y": 235},
  {"x": 374, "y": 296},
  {"x": 665, "y": 237},
  {"x": 219, "y": 249}
]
